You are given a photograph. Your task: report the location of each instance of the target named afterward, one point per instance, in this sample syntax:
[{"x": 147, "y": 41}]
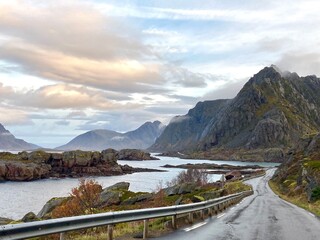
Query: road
[{"x": 262, "y": 215}]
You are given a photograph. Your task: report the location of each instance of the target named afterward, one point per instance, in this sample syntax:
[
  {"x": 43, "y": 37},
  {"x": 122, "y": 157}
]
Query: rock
[
  {"x": 139, "y": 198},
  {"x": 180, "y": 189},
  {"x": 76, "y": 158},
  {"x": 134, "y": 154},
  {"x": 39, "y": 156},
  {"x": 233, "y": 175},
  {"x": 50, "y": 206},
  {"x": 187, "y": 188},
  {"x": 108, "y": 198},
  {"x": 4, "y": 221},
  {"x": 18, "y": 171},
  {"x": 29, "y": 217},
  {"x": 109, "y": 156},
  {"x": 178, "y": 201},
  {"x": 170, "y": 191},
  {"x": 120, "y": 186}
]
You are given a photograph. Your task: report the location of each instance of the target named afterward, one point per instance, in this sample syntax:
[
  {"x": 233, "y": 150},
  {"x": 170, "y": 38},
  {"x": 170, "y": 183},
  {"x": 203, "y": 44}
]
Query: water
[{"x": 18, "y": 198}]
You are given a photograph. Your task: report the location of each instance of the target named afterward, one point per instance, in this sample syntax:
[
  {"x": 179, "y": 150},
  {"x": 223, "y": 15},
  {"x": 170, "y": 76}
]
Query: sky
[{"x": 70, "y": 66}]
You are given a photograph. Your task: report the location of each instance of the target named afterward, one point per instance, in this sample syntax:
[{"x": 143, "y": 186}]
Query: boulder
[
  {"x": 120, "y": 186},
  {"x": 29, "y": 217},
  {"x": 108, "y": 198},
  {"x": 170, "y": 191},
  {"x": 180, "y": 189},
  {"x": 50, "y": 205},
  {"x": 187, "y": 188},
  {"x": 4, "y": 221},
  {"x": 136, "y": 199}
]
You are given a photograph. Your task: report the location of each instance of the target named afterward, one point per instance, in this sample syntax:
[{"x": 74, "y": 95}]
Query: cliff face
[
  {"x": 272, "y": 110},
  {"x": 141, "y": 138},
  {"x": 186, "y": 131},
  {"x": 9, "y": 142},
  {"x": 299, "y": 175}
]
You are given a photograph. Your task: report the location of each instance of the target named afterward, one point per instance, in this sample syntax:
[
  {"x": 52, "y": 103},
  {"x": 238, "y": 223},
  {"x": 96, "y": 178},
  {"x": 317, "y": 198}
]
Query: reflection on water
[{"x": 18, "y": 198}]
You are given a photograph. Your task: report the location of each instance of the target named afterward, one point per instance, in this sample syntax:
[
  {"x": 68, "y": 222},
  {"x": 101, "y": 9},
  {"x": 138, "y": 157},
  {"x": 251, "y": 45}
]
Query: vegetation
[
  {"x": 82, "y": 200},
  {"x": 197, "y": 176},
  {"x": 300, "y": 200},
  {"x": 85, "y": 197}
]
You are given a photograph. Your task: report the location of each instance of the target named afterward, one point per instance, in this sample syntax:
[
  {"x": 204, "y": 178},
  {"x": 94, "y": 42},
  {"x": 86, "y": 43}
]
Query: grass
[{"x": 299, "y": 200}]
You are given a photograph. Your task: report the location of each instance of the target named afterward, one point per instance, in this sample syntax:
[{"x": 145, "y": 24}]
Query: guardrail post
[
  {"x": 210, "y": 212},
  {"x": 145, "y": 228},
  {"x": 62, "y": 235},
  {"x": 190, "y": 217},
  {"x": 202, "y": 214},
  {"x": 110, "y": 232},
  {"x": 174, "y": 221}
]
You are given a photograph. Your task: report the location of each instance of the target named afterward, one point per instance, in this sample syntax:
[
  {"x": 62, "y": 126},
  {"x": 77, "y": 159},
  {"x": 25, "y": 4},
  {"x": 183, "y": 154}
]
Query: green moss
[{"x": 314, "y": 165}]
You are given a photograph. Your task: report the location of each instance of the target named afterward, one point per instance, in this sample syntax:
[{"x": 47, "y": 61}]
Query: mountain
[
  {"x": 272, "y": 111},
  {"x": 186, "y": 131},
  {"x": 100, "y": 139},
  {"x": 9, "y": 142}
]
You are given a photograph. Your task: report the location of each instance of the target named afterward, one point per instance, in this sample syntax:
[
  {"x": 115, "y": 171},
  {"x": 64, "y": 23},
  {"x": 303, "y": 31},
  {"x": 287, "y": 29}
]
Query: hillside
[
  {"x": 298, "y": 178},
  {"x": 9, "y": 142},
  {"x": 100, "y": 139},
  {"x": 268, "y": 116}
]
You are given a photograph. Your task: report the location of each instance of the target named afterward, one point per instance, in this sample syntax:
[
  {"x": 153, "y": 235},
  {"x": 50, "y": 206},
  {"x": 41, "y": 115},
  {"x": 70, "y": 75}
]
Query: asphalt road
[{"x": 260, "y": 216}]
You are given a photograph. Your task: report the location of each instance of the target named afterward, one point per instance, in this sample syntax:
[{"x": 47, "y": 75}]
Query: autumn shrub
[
  {"x": 198, "y": 176},
  {"x": 83, "y": 200}
]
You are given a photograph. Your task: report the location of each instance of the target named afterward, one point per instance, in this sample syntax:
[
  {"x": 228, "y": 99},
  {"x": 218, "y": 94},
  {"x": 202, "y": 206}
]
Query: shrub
[
  {"x": 198, "y": 176},
  {"x": 82, "y": 200}
]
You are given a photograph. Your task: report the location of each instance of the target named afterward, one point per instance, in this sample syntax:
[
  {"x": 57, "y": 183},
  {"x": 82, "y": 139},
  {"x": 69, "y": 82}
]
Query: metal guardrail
[{"x": 61, "y": 225}]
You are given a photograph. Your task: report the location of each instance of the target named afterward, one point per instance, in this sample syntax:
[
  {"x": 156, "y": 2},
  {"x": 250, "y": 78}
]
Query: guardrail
[{"x": 62, "y": 225}]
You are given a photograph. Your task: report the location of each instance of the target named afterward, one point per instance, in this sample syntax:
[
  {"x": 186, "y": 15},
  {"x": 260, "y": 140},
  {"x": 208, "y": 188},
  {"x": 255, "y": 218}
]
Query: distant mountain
[
  {"x": 100, "y": 139},
  {"x": 273, "y": 110},
  {"x": 9, "y": 142}
]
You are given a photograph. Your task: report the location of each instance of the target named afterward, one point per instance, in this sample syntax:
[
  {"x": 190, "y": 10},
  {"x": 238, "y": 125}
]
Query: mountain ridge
[
  {"x": 272, "y": 110},
  {"x": 99, "y": 139},
  {"x": 9, "y": 142}
]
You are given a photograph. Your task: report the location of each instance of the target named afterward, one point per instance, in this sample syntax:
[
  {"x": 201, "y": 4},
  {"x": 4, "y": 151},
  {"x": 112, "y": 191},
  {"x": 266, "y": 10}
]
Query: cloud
[
  {"x": 304, "y": 63},
  {"x": 14, "y": 116},
  {"x": 226, "y": 91},
  {"x": 73, "y": 27},
  {"x": 63, "y": 96},
  {"x": 74, "y": 43},
  {"x": 62, "y": 123}
]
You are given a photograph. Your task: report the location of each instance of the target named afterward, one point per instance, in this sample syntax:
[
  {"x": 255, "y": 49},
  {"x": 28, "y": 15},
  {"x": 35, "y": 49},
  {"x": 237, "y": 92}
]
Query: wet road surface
[{"x": 262, "y": 215}]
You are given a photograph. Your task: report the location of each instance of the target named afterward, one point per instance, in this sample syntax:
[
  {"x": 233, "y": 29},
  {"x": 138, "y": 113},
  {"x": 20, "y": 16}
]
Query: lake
[{"x": 18, "y": 198}]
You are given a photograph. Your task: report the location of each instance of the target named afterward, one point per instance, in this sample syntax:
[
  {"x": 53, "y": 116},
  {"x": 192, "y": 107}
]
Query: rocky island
[{"x": 35, "y": 165}]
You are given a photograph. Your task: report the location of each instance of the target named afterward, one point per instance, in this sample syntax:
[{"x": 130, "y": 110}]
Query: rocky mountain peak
[
  {"x": 2, "y": 129},
  {"x": 266, "y": 74}
]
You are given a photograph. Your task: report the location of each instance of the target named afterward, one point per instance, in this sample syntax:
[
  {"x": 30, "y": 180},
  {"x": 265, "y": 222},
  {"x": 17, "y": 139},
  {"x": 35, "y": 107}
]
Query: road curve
[{"x": 260, "y": 216}]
